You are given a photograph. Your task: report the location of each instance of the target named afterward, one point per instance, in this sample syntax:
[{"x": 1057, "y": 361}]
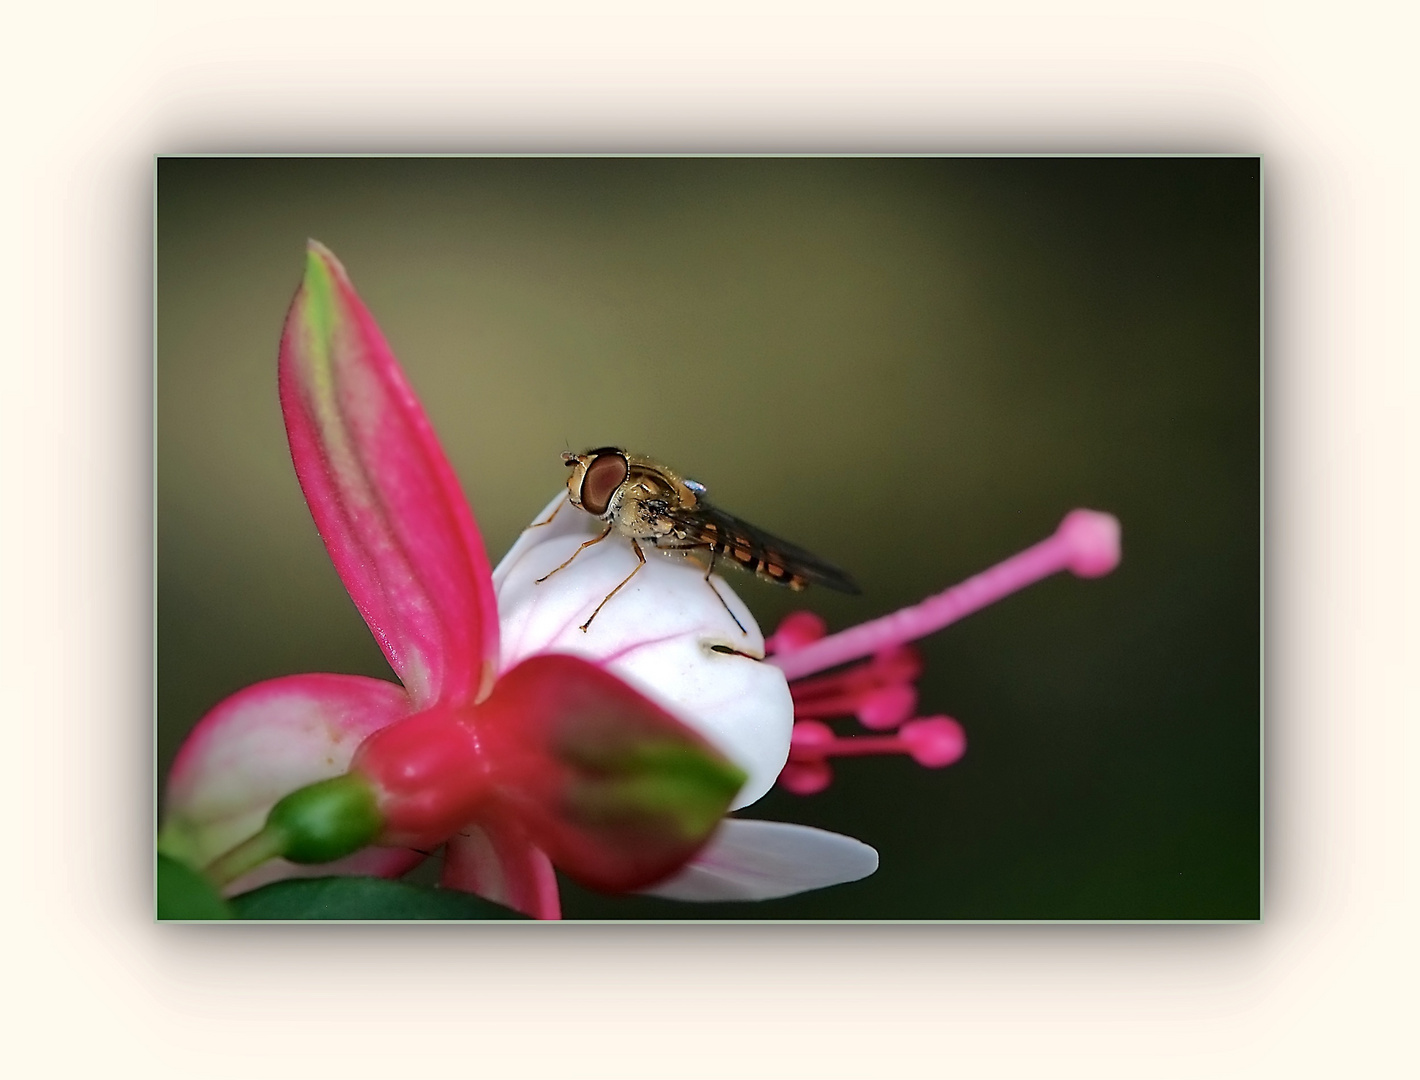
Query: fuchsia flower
[
  {"x": 519, "y": 758},
  {"x": 518, "y": 742}
]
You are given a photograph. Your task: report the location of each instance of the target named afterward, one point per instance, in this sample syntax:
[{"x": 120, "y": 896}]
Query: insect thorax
[{"x": 642, "y": 507}]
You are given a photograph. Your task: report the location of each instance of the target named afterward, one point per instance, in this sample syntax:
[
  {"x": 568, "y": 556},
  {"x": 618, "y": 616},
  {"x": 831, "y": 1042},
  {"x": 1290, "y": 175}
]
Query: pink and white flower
[
  {"x": 517, "y": 741},
  {"x": 516, "y": 758}
]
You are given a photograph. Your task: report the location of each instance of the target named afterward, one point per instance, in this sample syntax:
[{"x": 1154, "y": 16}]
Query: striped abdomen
[{"x": 758, "y": 552}]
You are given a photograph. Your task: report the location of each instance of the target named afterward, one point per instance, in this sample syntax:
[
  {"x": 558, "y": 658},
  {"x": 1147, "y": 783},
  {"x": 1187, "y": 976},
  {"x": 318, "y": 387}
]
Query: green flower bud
[{"x": 326, "y": 820}]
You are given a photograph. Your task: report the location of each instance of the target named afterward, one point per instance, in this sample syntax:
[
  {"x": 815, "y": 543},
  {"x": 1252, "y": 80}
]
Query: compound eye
[{"x": 605, "y": 474}]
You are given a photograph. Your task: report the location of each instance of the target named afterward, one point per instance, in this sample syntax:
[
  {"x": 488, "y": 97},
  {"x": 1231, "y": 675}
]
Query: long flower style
[{"x": 518, "y": 742}]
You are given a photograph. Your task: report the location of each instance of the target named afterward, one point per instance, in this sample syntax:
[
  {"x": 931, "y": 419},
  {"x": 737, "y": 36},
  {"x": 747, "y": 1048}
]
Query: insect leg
[
  {"x": 550, "y": 516},
  {"x": 716, "y": 591},
  {"x": 574, "y": 554},
  {"x": 634, "y": 547},
  {"x": 708, "y": 571}
]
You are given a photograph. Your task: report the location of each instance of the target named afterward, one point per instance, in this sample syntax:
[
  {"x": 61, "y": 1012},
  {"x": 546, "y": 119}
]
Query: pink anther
[
  {"x": 932, "y": 742},
  {"x": 885, "y": 707},
  {"x": 797, "y": 629},
  {"x": 879, "y": 693}
]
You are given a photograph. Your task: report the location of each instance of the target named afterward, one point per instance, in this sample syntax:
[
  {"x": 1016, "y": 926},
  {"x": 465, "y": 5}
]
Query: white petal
[
  {"x": 657, "y": 633},
  {"x": 567, "y": 521},
  {"x": 761, "y": 860}
]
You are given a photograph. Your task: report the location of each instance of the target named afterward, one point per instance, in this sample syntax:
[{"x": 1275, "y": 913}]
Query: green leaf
[
  {"x": 183, "y": 893},
  {"x": 359, "y": 898}
]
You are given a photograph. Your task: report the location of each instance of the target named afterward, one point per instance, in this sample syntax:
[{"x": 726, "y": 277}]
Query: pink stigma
[{"x": 1093, "y": 541}]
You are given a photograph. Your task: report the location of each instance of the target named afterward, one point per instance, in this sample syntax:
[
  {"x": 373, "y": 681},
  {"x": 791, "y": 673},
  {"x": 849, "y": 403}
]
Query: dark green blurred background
[{"x": 913, "y": 367}]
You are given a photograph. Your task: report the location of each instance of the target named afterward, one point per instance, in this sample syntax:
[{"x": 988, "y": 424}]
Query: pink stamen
[
  {"x": 799, "y": 628},
  {"x": 887, "y": 707},
  {"x": 1086, "y": 543},
  {"x": 805, "y": 777},
  {"x": 879, "y": 693},
  {"x": 899, "y": 666},
  {"x": 879, "y": 707},
  {"x": 933, "y": 742},
  {"x": 810, "y": 741}
]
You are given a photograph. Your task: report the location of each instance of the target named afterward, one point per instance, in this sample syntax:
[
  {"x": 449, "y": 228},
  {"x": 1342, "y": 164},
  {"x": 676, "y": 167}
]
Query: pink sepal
[
  {"x": 384, "y": 497},
  {"x": 497, "y": 861},
  {"x": 261, "y": 744},
  {"x": 617, "y": 791}
]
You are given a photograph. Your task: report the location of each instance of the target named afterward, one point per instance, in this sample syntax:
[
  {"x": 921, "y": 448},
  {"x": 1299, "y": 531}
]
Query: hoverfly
[{"x": 645, "y": 501}]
